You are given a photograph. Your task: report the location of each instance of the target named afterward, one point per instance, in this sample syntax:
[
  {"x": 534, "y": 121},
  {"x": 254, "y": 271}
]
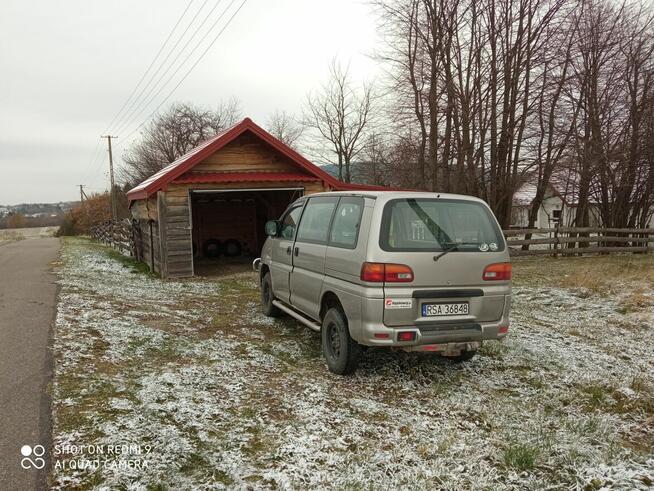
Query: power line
[
  {"x": 206, "y": 50},
  {"x": 156, "y": 57},
  {"x": 137, "y": 100},
  {"x": 193, "y": 50},
  {"x": 145, "y": 104},
  {"x": 96, "y": 160}
]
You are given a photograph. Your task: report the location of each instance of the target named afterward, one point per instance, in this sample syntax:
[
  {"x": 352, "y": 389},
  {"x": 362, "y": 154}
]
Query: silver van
[{"x": 408, "y": 270}]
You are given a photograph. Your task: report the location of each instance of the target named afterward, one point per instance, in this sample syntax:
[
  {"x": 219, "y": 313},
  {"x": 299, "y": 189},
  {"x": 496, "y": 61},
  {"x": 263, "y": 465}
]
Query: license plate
[{"x": 443, "y": 309}]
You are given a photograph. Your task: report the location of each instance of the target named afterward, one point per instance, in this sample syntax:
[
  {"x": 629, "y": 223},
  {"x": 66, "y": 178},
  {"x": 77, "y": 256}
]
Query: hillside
[{"x": 38, "y": 209}]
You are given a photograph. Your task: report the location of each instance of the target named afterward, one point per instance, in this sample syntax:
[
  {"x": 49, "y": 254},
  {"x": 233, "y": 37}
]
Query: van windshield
[{"x": 431, "y": 224}]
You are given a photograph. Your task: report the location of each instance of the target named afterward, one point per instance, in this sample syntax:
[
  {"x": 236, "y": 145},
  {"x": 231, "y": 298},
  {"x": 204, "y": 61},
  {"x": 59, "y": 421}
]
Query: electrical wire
[
  {"x": 95, "y": 162},
  {"x": 138, "y": 100},
  {"x": 188, "y": 56},
  {"x": 154, "y": 60},
  {"x": 206, "y": 50}
]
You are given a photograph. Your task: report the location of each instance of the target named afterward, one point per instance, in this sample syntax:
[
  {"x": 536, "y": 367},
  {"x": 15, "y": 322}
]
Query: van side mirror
[{"x": 272, "y": 228}]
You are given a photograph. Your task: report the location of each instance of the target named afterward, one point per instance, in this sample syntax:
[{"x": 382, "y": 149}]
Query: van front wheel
[
  {"x": 267, "y": 297},
  {"x": 341, "y": 351}
]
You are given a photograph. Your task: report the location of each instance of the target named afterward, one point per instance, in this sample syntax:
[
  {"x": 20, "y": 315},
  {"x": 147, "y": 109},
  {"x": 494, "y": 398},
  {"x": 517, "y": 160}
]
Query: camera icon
[{"x": 27, "y": 462}]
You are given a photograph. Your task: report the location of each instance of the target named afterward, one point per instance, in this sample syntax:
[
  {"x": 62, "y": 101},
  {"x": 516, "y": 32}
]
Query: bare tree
[
  {"x": 469, "y": 70},
  {"x": 555, "y": 117},
  {"x": 375, "y": 166},
  {"x": 614, "y": 83},
  {"x": 285, "y": 127},
  {"x": 340, "y": 114},
  {"x": 172, "y": 134},
  {"x": 410, "y": 90}
]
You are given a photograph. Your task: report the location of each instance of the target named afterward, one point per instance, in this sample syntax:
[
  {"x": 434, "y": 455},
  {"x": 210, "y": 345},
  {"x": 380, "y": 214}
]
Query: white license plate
[{"x": 443, "y": 309}]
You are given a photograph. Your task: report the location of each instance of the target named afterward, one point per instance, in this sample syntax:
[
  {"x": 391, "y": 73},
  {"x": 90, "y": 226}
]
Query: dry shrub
[
  {"x": 637, "y": 300},
  {"x": 80, "y": 219},
  {"x": 16, "y": 220}
]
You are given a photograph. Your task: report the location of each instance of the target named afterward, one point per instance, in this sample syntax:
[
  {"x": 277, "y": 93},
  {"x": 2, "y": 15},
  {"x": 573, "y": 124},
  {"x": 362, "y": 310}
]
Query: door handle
[
  {"x": 288, "y": 250},
  {"x": 297, "y": 251}
]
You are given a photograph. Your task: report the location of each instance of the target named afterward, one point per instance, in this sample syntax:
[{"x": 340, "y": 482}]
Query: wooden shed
[{"x": 213, "y": 202}]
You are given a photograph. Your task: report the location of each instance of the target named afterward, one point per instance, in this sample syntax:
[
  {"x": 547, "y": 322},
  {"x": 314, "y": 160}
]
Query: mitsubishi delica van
[{"x": 404, "y": 270}]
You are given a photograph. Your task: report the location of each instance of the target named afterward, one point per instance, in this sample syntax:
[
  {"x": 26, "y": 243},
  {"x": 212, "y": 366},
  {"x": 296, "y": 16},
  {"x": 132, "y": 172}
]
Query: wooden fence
[
  {"x": 576, "y": 241},
  {"x": 118, "y": 234},
  {"x": 561, "y": 241}
]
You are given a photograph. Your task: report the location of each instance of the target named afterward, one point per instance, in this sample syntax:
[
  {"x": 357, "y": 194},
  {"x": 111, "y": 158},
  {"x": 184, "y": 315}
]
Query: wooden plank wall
[
  {"x": 144, "y": 209},
  {"x": 150, "y": 244},
  {"x": 145, "y": 212},
  {"x": 246, "y": 153},
  {"x": 175, "y": 232}
]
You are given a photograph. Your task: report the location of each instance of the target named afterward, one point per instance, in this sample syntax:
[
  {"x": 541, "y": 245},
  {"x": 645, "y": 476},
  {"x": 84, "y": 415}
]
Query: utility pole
[
  {"x": 114, "y": 210},
  {"x": 82, "y": 194}
]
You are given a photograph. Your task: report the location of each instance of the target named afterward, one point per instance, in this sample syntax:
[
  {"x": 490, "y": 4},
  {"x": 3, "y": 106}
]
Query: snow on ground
[{"x": 218, "y": 396}]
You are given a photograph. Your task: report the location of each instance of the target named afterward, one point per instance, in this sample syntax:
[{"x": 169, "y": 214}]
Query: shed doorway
[{"x": 228, "y": 226}]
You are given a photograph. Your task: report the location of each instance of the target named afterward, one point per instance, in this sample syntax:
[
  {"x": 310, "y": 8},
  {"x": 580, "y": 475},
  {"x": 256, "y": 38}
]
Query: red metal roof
[
  {"x": 183, "y": 164},
  {"x": 196, "y": 177}
]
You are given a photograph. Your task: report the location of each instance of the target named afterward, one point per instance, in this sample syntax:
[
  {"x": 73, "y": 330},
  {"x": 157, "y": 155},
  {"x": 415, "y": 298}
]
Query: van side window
[
  {"x": 289, "y": 223},
  {"x": 315, "y": 221},
  {"x": 347, "y": 220}
]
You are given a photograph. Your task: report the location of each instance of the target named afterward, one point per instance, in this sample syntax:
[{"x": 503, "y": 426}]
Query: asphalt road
[{"x": 27, "y": 307}]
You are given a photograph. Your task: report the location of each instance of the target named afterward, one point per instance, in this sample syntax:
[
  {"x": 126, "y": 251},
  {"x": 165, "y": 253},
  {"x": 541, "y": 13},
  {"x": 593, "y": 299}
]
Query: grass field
[{"x": 218, "y": 396}]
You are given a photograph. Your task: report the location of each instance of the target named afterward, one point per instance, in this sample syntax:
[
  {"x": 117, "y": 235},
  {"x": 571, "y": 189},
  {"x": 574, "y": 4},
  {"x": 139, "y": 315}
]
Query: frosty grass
[{"x": 226, "y": 398}]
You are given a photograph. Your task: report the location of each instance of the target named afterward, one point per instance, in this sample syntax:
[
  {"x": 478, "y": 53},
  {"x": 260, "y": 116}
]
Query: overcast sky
[{"x": 66, "y": 67}]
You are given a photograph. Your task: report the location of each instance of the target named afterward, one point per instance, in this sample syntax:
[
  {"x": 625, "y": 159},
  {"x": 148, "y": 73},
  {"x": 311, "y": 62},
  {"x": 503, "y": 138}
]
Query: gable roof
[
  {"x": 525, "y": 194},
  {"x": 186, "y": 162}
]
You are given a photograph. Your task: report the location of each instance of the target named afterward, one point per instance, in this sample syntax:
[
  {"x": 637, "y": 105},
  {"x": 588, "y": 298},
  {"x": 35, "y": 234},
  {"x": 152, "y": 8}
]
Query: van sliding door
[{"x": 309, "y": 254}]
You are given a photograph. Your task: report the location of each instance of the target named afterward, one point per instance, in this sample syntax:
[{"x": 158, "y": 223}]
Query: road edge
[{"x": 45, "y": 419}]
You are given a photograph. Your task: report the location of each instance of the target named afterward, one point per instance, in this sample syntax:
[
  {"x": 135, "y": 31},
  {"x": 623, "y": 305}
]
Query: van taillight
[
  {"x": 390, "y": 273},
  {"x": 497, "y": 271}
]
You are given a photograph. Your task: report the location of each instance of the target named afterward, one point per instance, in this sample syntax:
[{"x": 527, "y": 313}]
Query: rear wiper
[{"x": 451, "y": 247}]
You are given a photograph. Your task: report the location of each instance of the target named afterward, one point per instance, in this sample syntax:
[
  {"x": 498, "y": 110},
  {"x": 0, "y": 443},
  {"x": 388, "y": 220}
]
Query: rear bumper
[{"x": 373, "y": 332}]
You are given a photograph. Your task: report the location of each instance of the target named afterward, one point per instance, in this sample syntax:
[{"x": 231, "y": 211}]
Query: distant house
[
  {"x": 215, "y": 200},
  {"x": 558, "y": 207}
]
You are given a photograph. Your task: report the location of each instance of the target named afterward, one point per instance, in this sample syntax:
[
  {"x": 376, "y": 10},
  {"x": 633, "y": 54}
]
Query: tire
[
  {"x": 464, "y": 356},
  {"x": 267, "y": 297},
  {"x": 211, "y": 248},
  {"x": 341, "y": 352},
  {"x": 232, "y": 248}
]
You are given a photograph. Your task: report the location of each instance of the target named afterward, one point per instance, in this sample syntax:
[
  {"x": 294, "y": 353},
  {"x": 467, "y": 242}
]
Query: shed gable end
[{"x": 247, "y": 153}]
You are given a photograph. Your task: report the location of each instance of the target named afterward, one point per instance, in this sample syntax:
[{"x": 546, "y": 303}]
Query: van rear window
[{"x": 430, "y": 224}]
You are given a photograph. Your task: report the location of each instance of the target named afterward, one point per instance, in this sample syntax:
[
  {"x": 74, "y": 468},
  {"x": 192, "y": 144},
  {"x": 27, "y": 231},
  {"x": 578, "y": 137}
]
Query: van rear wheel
[
  {"x": 341, "y": 351},
  {"x": 267, "y": 297}
]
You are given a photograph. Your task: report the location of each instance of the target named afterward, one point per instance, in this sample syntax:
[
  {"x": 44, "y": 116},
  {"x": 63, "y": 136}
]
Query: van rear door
[{"x": 447, "y": 243}]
